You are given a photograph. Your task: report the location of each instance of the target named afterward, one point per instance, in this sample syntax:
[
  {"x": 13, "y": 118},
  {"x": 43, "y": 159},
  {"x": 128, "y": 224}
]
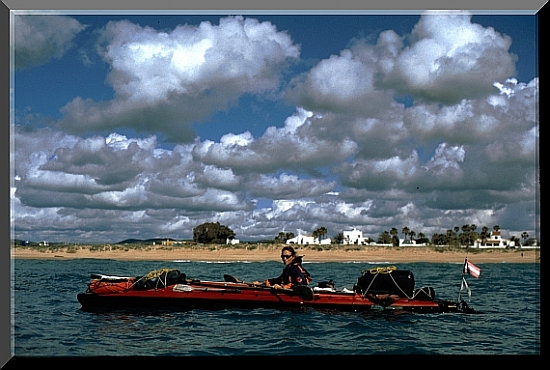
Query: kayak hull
[{"x": 222, "y": 295}]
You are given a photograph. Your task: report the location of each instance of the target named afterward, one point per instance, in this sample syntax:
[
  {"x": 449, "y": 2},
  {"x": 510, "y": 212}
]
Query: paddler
[{"x": 293, "y": 273}]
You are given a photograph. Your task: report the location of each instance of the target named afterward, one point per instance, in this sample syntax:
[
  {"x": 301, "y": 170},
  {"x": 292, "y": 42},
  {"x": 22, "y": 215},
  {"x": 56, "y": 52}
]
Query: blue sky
[{"x": 143, "y": 126}]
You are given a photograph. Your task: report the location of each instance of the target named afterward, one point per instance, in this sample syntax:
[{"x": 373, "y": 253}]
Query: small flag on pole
[{"x": 471, "y": 269}]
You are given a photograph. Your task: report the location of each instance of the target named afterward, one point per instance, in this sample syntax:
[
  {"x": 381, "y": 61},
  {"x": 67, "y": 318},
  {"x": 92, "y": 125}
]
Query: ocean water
[{"x": 48, "y": 321}]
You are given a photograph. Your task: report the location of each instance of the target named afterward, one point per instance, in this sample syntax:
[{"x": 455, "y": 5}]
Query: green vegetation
[
  {"x": 213, "y": 236},
  {"x": 212, "y": 232}
]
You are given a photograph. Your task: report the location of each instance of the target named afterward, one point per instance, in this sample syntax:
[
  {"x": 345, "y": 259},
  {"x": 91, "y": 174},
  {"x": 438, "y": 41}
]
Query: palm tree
[
  {"x": 439, "y": 239},
  {"x": 412, "y": 234},
  {"x": 524, "y": 235},
  {"x": 465, "y": 234},
  {"x": 393, "y": 233},
  {"x": 322, "y": 232},
  {"x": 450, "y": 236},
  {"x": 484, "y": 234},
  {"x": 315, "y": 233},
  {"x": 473, "y": 233},
  {"x": 405, "y": 231},
  {"x": 384, "y": 238}
]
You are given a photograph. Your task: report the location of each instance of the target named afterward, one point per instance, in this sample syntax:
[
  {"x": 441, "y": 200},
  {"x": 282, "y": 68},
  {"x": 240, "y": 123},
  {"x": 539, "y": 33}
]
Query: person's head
[{"x": 288, "y": 254}]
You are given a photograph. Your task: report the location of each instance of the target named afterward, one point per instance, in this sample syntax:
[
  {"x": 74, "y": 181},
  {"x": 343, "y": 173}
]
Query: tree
[
  {"x": 524, "y": 235},
  {"x": 473, "y": 233},
  {"x": 405, "y": 232},
  {"x": 484, "y": 234},
  {"x": 439, "y": 239},
  {"x": 339, "y": 238},
  {"x": 320, "y": 232},
  {"x": 384, "y": 238},
  {"x": 422, "y": 238},
  {"x": 395, "y": 241},
  {"x": 465, "y": 237},
  {"x": 212, "y": 232},
  {"x": 280, "y": 238}
]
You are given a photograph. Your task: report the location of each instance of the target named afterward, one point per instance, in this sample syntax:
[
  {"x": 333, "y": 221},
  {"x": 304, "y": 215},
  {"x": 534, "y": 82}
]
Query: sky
[{"x": 148, "y": 125}]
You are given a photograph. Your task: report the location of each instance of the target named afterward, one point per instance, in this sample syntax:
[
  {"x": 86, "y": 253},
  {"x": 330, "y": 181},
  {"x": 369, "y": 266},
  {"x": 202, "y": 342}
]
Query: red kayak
[{"x": 378, "y": 288}]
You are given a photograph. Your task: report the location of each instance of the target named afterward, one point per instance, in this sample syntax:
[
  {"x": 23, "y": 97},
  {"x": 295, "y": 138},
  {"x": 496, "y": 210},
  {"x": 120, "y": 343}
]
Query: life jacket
[
  {"x": 305, "y": 273},
  {"x": 286, "y": 272}
]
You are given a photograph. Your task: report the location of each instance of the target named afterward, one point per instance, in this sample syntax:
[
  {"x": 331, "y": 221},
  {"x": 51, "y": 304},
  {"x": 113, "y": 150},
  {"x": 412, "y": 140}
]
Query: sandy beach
[{"x": 271, "y": 253}]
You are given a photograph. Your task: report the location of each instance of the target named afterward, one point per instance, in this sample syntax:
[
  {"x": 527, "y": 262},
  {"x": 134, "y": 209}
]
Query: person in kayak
[{"x": 293, "y": 272}]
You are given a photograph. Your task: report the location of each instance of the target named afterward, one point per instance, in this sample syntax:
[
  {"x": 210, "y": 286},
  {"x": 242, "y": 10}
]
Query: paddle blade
[
  {"x": 230, "y": 279},
  {"x": 303, "y": 291}
]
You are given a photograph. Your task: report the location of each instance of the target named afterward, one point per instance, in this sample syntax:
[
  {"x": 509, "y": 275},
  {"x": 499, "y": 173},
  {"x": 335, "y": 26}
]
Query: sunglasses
[{"x": 286, "y": 256}]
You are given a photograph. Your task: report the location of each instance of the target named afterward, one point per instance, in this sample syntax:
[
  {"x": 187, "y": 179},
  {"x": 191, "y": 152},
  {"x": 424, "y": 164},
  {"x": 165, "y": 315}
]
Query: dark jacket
[{"x": 293, "y": 274}]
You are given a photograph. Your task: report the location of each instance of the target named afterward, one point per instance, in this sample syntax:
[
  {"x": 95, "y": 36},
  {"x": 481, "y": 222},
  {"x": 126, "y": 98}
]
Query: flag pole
[{"x": 462, "y": 279}]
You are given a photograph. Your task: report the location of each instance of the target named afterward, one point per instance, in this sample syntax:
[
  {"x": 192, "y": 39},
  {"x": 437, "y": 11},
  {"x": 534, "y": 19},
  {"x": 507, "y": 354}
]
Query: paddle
[{"x": 303, "y": 291}]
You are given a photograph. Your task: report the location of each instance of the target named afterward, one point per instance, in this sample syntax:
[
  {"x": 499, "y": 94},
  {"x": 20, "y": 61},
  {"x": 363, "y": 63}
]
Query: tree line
[{"x": 216, "y": 233}]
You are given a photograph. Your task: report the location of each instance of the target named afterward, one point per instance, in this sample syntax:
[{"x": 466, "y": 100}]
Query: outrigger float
[{"x": 379, "y": 288}]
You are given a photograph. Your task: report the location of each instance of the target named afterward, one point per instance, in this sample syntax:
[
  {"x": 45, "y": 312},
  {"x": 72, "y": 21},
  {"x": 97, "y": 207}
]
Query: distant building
[
  {"x": 495, "y": 240},
  {"x": 354, "y": 237},
  {"x": 305, "y": 239},
  {"x": 411, "y": 242},
  {"x": 232, "y": 241},
  {"x": 302, "y": 239}
]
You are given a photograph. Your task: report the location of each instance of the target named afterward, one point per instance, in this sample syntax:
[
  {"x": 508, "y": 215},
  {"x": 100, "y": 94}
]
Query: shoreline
[{"x": 271, "y": 253}]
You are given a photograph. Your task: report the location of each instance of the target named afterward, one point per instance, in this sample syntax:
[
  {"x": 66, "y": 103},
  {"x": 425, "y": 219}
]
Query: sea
[{"x": 48, "y": 322}]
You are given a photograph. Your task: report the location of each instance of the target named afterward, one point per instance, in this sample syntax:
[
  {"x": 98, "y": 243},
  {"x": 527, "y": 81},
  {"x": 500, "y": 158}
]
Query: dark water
[{"x": 48, "y": 320}]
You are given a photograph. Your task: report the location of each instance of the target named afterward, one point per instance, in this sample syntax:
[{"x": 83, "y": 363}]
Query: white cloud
[
  {"x": 40, "y": 38},
  {"x": 449, "y": 59},
  {"x": 164, "y": 81},
  {"x": 412, "y": 131},
  {"x": 287, "y": 186}
]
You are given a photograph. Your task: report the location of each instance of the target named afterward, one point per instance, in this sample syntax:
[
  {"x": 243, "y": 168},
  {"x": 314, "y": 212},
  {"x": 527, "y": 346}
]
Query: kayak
[{"x": 382, "y": 288}]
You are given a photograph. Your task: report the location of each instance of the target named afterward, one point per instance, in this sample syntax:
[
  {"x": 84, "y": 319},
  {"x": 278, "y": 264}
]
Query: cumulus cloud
[
  {"x": 341, "y": 84},
  {"x": 449, "y": 59},
  {"x": 293, "y": 146},
  {"x": 424, "y": 131},
  {"x": 288, "y": 187},
  {"x": 165, "y": 81},
  {"x": 39, "y": 39}
]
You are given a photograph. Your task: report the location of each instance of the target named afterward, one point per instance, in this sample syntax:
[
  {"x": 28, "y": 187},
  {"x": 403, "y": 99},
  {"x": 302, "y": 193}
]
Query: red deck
[{"x": 220, "y": 295}]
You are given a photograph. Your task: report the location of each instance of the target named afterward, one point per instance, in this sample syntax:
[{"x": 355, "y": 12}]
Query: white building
[
  {"x": 354, "y": 237},
  {"x": 232, "y": 241},
  {"x": 495, "y": 240},
  {"x": 304, "y": 239}
]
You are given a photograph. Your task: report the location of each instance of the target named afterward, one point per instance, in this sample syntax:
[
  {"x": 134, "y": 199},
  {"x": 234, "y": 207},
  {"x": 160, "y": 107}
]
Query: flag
[{"x": 471, "y": 269}]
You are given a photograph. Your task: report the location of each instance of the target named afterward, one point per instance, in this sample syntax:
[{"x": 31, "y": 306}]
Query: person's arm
[{"x": 274, "y": 281}]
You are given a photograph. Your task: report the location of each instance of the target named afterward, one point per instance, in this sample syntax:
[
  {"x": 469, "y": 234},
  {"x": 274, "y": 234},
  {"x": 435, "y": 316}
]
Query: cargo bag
[{"x": 399, "y": 282}]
